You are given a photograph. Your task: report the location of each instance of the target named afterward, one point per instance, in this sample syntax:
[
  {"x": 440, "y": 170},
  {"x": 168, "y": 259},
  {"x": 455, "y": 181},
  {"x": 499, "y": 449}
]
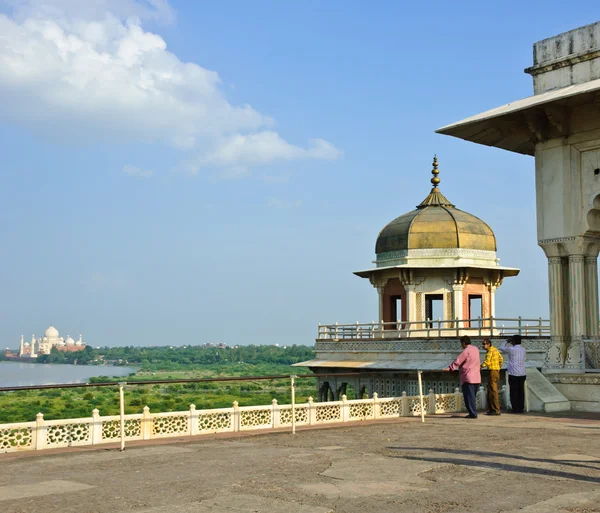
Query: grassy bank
[{"x": 22, "y": 406}]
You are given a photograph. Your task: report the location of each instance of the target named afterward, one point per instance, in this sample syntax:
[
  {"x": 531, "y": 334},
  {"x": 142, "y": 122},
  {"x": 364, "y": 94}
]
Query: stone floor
[{"x": 527, "y": 463}]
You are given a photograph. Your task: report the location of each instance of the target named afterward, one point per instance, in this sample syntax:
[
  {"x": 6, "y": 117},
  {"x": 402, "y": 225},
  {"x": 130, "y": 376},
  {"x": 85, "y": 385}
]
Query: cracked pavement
[{"x": 531, "y": 463}]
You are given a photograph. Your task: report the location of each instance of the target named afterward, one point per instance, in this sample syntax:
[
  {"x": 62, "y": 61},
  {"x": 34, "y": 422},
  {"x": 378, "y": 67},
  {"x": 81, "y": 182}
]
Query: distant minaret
[
  {"x": 32, "y": 348},
  {"x": 21, "y": 347},
  {"x": 80, "y": 339}
]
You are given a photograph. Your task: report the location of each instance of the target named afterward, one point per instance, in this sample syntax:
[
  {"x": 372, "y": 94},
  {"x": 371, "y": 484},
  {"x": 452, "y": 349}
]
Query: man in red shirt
[{"x": 468, "y": 365}]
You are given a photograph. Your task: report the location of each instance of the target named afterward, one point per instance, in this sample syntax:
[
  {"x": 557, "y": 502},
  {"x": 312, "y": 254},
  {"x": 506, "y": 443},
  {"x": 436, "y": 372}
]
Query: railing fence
[{"x": 480, "y": 326}]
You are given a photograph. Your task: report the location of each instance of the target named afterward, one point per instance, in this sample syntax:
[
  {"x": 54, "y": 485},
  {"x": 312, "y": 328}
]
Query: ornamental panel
[
  {"x": 66, "y": 434},
  {"x": 170, "y": 425},
  {"x": 390, "y": 408},
  {"x": 111, "y": 429},
  {"x": 328, "y": 413},
  {"x": 361, "y": 410},
  {"x": 257, "y": 418},
  {"x": 212, "y": 422},
  {"x": 18, "y": 438},
  {"x": 301, "y": 414}
]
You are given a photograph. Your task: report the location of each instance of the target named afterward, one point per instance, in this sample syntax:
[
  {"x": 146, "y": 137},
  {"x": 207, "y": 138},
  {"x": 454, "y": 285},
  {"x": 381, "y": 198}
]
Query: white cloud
[
  {"x": 87, "y": 69},
  {"x": 136, "y": 171}
]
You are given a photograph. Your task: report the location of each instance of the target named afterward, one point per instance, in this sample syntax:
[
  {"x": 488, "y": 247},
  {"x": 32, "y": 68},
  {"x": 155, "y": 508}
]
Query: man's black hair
[
  {"x": 516, "y": 340},
  {"x": 465, "y": 339}
]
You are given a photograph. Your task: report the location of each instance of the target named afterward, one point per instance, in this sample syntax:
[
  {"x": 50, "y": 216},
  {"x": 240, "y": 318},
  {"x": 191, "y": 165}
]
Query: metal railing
[{"x": 480, "y": 326}]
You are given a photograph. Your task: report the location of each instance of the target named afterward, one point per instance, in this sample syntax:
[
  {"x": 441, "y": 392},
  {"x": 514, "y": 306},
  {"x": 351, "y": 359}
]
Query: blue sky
[{"x": 187, "y": 172}]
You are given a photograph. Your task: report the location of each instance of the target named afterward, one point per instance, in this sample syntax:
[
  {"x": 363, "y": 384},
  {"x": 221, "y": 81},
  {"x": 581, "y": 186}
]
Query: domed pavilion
[{"x": 436, "y": 262}]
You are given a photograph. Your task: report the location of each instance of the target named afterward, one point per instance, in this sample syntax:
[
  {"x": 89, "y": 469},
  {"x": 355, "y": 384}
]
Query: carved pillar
[
  {"x": 577, "y": 295},
  {"x": 591, "y": 293},
  {"x": 411, "y": 304},
  {"x": 555, "y": 282},
  {"x": 577, "y": 308},
  {"x": 380, "y": 293},
  {"x": 457, "y": 301}
]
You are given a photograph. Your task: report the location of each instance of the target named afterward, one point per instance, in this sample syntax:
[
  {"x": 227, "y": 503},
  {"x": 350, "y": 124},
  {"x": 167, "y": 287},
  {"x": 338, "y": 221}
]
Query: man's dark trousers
[
  {"x": 469, "y": 390},
  {"x": 517, "y": 392}
]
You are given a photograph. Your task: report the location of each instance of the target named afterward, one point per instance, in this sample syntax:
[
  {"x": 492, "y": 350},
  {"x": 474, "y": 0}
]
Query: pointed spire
[{"x": 435, "y": 197}]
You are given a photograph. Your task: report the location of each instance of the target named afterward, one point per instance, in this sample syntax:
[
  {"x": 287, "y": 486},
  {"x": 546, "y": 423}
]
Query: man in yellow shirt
[{"x": 493, "y": 363}]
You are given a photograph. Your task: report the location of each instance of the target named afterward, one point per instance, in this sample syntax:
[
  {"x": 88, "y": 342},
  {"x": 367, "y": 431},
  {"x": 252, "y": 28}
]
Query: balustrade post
[
  {"x": 520, "y": 324},
  {"x": 405, "y": 405},
  {"x": 312, "y": 412},
  {"x": 376, "y": 403},
  {"x": 439, "y": 327},
  {"x": 193, "y": 420},
  {"x": 457, "y": 326},
  {"x": 345, "y": 409},
  {"x": 293, "y": 389},
  {"x": 236, "y": 416},
  {"x": 276, "y": 414},
  {"x": 482, "y": 398},
  {"x": 146, "y": 423},
  {"x": 431, "y": 408},
  {"x": 372, "y": 329},
  {"x": 457, "y": 400},
  {"x": 96, "y": 427},
  {"x": 357, "y": 330},
  {"x": 479, "y": 324},
  {"x": 382, "y": 328},
  {"x": 492, "y": 325},
  {"x": 336, "y": 331},
  {"x": 540, "y": 326},
  {"x": 122, "y": 413},
  {"x": 40, "y": 432}
]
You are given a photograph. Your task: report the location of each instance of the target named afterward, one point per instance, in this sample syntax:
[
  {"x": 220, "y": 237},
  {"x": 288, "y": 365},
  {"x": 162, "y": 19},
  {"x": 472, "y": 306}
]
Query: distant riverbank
[{"x": 15, "y": 374}]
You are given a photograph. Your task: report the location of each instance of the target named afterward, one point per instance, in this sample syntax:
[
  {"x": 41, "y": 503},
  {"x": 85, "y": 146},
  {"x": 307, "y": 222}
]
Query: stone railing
[
  {"x": 95, "y": 430},
  {"x": 591, "y": 355},
  {"x": 487, "y": 327}
]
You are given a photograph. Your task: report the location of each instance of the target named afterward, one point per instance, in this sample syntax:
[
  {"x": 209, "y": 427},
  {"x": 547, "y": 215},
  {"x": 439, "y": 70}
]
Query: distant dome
[
  {"x": 69, "y": 340},
  {"x": 79, "y": 343},
  {"x": 51, "y": 332}
]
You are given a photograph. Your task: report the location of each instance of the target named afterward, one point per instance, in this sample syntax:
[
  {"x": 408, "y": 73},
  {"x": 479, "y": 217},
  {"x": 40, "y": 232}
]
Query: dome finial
[{"x": 435, "y": 172}]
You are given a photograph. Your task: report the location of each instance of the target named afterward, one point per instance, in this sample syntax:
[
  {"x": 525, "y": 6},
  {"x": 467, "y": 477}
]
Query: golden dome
[{"x": 435, "y": 224}]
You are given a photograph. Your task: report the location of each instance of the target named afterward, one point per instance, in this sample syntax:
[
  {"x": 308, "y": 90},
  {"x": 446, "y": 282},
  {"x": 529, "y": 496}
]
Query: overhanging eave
[{"x": 512, "y": 126}]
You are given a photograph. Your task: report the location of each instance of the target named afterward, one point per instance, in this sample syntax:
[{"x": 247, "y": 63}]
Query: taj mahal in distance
[{"x": 44, "y": 344}]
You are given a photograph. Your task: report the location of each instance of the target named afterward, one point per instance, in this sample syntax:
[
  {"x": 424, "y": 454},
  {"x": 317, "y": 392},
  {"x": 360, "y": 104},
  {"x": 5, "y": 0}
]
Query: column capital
[
  {"x": 576, "y": 259},
  {"x": 554, "y": 260},
  {"x": 457, "y": 288}
]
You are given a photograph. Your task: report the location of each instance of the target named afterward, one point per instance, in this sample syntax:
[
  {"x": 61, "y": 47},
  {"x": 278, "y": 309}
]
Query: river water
[{"x": 15, "y": 374}]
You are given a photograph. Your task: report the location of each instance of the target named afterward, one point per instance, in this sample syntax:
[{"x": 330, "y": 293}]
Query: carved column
[
  {"x": 457, "y": 301},
  {"x": 577, "y": 308},
  {"x": 555, "y": 281},
  {"x": 577, "y": 295},
  {"x": 411, "y": 304},
  {"x": 591, "y": 292},
  {"x": 380, "y": 292}
]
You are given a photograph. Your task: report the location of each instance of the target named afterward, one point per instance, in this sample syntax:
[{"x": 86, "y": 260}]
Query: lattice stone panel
[
  {"x": 285, "y": 416},
  {"x": 445, "y": 403},
  {"x": 170, "y": 425},
  {"x": 66, "y": 434},
  {"x": 414, "y": 405},
  {"x": 220, "y": 421},
  {"x": 478, "y": 404},
  {"x": 17, "y": 438},
  {"x": 361, "y": 411},
  {"x": 390, "y": 408},
  {"x": 329, "y": 413},
  {"x": 111, "y": 429},
  {"x": 419, "y": 306},
  {"x": 257, "y": 418}
]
